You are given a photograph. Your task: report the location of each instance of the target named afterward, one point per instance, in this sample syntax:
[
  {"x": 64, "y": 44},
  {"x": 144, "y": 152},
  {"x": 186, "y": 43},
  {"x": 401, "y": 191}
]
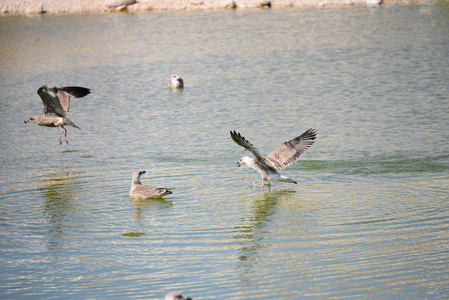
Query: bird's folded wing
[
  {"x": 146, "y": 191},
  {"x": 288, "y": 152}
]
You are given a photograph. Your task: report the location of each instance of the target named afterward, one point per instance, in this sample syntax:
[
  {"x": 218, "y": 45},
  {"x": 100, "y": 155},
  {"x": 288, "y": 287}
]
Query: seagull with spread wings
[
  {"x": 57, "y": 107},
  {"x": 283, "y": 156}
]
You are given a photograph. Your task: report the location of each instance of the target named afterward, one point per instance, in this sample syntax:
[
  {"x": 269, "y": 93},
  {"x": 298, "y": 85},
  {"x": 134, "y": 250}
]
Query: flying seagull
[
  {"x": 175, "y": 82},
  {"x": 138, "y": 191},
  {"x": 57, "y": 107},
  {"x": 176, "y": 296},
  {"x": 283, "y": 156}
]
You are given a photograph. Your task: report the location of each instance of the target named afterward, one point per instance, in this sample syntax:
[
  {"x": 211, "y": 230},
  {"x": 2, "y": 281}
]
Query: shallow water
[{"x": 369, "y": 218}]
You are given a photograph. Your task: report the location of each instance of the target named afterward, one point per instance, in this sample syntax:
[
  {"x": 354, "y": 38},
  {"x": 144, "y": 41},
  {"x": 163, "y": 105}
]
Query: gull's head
[
  {"x": 137, "y": 174},
  {"x": 176, "y": 296},
  {"x": 176, "y": 82},
  {"x": 243, "y": 160}
]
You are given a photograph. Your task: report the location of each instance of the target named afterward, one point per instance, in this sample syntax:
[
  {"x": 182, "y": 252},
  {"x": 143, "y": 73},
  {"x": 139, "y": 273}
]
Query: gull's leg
[
  {"x": 60, "y": 135},
  {"x": 263, "y": 183},
  {"x": 268, "y": 184},
  {"x": 65, "y": 136}
]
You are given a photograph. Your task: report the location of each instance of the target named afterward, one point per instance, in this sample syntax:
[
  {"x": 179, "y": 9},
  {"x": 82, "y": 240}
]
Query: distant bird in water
[
  {"x": 57, "y": 106},
  {"x": 176, "y": 82},
  {"x": 138, "y": 191},
  {"x": 283, "y": 156},
  {"x": 176, "y": 296}
]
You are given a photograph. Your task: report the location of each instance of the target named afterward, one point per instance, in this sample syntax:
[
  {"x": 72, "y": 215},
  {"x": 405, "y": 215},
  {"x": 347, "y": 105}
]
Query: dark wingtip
[
  {"x": 233, "y": 135},
  {"x": 76, "y": 91},
  {"x": 310, "y": 134},
  {"x": 237, "y": 137}
]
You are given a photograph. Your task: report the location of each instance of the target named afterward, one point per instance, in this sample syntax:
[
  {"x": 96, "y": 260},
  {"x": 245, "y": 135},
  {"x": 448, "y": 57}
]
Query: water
[{"x": 369, "y": 218}]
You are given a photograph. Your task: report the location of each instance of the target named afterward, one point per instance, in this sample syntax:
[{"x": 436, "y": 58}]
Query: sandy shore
[{"x": 96, "y": 6}]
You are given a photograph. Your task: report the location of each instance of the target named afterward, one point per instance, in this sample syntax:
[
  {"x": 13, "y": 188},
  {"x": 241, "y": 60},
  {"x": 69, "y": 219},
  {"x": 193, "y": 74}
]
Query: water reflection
[
  {"x": 143, "y": 205},
  {"x": 176, "y": 91},
  {"x": 147, "y": 206},
  {"x": 59, "y": 190},
  {"x": 251, "y": 233}
]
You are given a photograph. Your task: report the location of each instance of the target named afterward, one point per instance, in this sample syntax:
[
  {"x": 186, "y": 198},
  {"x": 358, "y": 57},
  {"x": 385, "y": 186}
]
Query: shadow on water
[
  {"x": 59, "y": 190},
  {"x": 251, "y": 232}
]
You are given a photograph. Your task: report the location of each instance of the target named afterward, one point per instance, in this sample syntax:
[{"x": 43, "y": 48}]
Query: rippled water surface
[{"x": 368, "y": 219}]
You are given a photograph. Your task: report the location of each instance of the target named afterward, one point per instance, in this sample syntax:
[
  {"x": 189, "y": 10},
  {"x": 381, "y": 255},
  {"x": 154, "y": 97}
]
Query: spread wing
[
  {"x": 65, "y": 94},
  {"x": 240, "y": 140},
  {"x": 52, "y": 105},
  {"x": 288, "y": 152}
]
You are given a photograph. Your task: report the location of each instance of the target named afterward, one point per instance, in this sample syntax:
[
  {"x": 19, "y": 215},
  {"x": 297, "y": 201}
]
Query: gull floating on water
[
  {"x": 176, "y": 296},
  {"x": 283, "y": 156},
  {"x": 138, "y": 191},
  {"x": 57, "y": 106},
  {"x": 176, "y": 82}
]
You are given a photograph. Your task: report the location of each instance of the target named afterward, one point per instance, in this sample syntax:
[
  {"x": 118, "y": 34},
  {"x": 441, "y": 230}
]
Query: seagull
[
  {"x": 283, "y": 156},
  {"x": 176, "y": 296},
  {"x": 176, "y": 82},
  {"x": 138, "y": 191},
  {"x": 57, "y": 106}
]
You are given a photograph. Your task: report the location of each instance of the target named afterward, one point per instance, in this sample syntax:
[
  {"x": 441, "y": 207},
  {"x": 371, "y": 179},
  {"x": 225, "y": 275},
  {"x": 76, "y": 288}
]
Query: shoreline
[{"x": 24, "y": 7}]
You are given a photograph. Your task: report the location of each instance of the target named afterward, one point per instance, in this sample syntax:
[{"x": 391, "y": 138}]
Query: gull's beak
[{"x": 26, "y": 121}]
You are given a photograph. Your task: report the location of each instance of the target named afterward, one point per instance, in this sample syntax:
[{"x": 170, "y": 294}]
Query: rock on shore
[{"x": 95, "y": 6}]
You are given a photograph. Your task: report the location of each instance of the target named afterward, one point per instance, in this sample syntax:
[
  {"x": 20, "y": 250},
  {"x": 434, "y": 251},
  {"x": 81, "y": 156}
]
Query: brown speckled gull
[
  {"x": 57, "y": 107},
  {"x": 283, "y": 156},
  {"x": 138, "y": 191}
]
